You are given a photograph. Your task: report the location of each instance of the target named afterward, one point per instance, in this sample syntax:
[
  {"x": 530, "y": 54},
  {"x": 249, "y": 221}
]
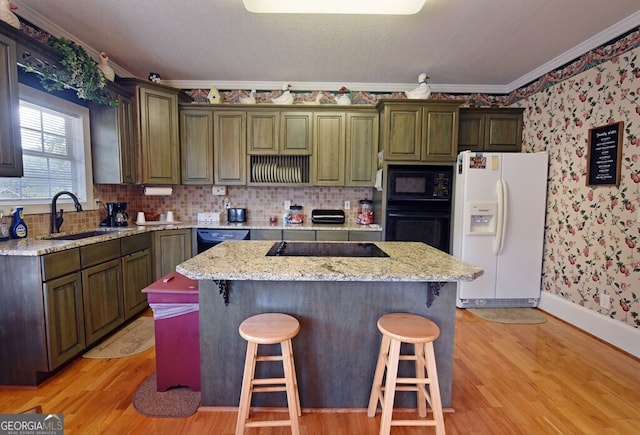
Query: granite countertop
[
  {"x": 407, "y": 261},
  {"x": 41, "y": 245}
]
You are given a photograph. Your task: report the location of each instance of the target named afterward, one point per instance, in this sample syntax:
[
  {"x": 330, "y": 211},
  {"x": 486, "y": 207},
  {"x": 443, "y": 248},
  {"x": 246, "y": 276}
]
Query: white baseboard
[{"x": 614, "y": 332}]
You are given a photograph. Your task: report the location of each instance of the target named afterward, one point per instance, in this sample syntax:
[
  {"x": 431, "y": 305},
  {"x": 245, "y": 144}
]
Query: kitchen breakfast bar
[{"x": 337, "y": 291}]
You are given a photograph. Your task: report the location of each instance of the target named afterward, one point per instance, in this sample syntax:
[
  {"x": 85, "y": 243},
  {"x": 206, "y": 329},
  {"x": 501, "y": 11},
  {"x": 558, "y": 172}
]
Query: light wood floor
[{"x": 508, "y": 379}]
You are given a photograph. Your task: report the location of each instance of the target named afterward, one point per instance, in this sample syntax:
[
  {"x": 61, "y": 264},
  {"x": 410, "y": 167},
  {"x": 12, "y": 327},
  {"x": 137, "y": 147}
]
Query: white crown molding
[
  {"x": 28, "y": 14},
  {"x": 595, "y": 41}
]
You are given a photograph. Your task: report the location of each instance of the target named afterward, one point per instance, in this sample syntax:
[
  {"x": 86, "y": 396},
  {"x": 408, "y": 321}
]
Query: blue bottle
[{"x": 18, "y": 228}]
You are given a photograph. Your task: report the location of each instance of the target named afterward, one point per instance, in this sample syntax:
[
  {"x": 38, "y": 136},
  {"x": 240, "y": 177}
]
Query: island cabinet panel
[
  {"x": 328, "y": 149},
  {"x": 10, "y": 146},
  {"x": 338, "y": 343},
  {"x": 230, "y": 147},
  {"x": 196, "y": 146}
]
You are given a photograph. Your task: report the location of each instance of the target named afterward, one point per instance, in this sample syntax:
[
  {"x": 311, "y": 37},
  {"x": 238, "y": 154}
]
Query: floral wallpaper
[{"x": 592, "y": 244}]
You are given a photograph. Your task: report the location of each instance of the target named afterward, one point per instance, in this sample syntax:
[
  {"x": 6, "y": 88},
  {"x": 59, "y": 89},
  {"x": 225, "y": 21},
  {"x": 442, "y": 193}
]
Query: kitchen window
[{"x": 56, "y": 155}]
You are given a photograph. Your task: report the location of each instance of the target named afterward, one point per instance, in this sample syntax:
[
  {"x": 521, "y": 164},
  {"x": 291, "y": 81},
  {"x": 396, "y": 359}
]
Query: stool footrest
[
  {"x": 269, "y": 358},
  {"x": 413, "y": 423},
  {"x": 268, "y": 389},
  {"x": 267, "y": 423},
  {"x": 267, "y": 381}
]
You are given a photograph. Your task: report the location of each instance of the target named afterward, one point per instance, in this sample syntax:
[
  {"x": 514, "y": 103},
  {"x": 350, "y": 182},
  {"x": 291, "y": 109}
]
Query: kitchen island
[{"x": 337, "y": 301}]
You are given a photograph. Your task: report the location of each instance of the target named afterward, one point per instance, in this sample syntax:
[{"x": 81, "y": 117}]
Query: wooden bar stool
[
  {"x": 269, "y": 328},
  {"x": 398, "y": 328}
]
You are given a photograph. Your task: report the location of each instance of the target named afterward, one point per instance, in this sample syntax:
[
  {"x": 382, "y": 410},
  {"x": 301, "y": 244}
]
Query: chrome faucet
[{"x": 56, "y": 218}]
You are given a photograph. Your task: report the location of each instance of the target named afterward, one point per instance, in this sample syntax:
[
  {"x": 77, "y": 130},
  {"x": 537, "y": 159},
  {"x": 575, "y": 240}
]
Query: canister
[
  {"x": 297, "y": 216},
  {"x": 365, "y": 212}
]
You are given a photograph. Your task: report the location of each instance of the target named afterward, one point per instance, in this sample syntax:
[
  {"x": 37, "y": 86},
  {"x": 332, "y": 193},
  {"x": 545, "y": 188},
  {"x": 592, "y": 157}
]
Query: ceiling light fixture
[{"x": 373, "y": 7}]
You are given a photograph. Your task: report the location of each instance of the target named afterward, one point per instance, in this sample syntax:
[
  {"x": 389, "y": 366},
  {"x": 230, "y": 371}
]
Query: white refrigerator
[{"x": 499, "y": 217}]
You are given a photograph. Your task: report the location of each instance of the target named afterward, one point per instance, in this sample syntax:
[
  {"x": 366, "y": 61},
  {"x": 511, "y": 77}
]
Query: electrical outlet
[
  {"x": 347, "y": 205},
  {"x": 97, "y": 200},
  {"x": 605, "y": 301},
  {"x": 638, "y": 216},
  {"x": 219, "y": 190},
  {"x": 287, "y": 205}
]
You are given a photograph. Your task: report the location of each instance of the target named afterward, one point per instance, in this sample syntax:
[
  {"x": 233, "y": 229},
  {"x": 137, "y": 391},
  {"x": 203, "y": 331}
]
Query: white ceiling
[{"x": 489, "y": 46}]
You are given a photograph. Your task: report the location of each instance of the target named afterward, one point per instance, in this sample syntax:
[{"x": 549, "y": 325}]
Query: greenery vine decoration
[{"x": 78, "y": 71}]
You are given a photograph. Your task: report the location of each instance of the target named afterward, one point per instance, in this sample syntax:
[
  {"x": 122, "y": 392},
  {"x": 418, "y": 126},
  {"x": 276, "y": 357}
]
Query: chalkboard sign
[{"x": 604, "y": 155}]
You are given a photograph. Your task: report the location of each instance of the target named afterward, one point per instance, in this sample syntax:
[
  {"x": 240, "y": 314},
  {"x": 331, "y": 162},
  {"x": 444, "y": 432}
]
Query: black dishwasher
[{"x": 207, "y": 238}]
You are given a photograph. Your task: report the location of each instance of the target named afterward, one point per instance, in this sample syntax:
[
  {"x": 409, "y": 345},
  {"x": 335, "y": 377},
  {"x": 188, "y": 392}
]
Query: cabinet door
[
  {"x": 503, "y": 132},
  {"x": 299, "y": 235},
  {"x": 439, "y": 133},
  {"x": 332, "y": 236},
  {"x": 295, "y": 133},
  {"x": 470, "y": 131},
  {"x": 10, "y": 147},
  {"x": 64, "y": 317},
  {"x": 365, "y": 236},
  {"x": 196, "y": 146},
  {"x": 103, "y": 299},
  {"x": 361, "y": 149},
  {"x": 401, "y": 134},
  {"x": 230, "y": 147},
  {"x": 159, "y": 138},
  {"x": 328, "y": 149},
  {"x": 263, "y": 132},
  {"x": 137, "y": 273},
  {"x": 113, "y": 144},
  {"x": 170, "y": 248}
]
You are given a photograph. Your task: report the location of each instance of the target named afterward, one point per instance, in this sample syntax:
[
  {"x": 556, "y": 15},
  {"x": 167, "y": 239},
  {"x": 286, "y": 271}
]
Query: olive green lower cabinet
[
  {"x": 317, "y": 235},
  {"x": 170, "y": 248},
  {"x": 56, "y": 305}
]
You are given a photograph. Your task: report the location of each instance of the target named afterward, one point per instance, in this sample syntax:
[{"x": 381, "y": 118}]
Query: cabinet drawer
[
  {"x": 137, "y": 242},
  {"x": 60, "y": 263},
  {"x": 332, "y": 235},
  {"x": 298, "y": 235},
  {"x": 365, "y": 236},
  {"x": 99, "y": 253},
  {"x": 266, "y": 235}
]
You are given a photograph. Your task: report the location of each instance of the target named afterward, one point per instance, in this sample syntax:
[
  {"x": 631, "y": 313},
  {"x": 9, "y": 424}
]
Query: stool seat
[
  {"x": 398, "y": 328},
  {"x": 269, "y": 328},
  {"x": 408, "y": 328}
]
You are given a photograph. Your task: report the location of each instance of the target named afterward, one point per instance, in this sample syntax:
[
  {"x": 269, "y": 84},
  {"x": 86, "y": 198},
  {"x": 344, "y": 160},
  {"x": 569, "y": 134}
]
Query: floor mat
[
  {"x": 134, "y": 338},
  {"x": 175, "y": 402}
]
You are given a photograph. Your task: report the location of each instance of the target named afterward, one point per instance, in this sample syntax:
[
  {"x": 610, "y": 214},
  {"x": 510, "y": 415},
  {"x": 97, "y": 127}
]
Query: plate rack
[{"x": 279, "y": 169}]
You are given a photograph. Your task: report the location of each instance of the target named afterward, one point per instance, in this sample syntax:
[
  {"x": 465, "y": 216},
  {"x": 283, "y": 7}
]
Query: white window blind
[{"x": 54, "y": 152}]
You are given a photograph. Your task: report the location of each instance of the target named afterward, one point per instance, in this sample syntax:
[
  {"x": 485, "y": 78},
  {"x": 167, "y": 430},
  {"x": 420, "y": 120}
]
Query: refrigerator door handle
[{"x": 501, "y": 224}]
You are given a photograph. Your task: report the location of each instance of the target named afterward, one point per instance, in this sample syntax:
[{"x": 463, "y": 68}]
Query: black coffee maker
[{"x": 116, "y": 215}]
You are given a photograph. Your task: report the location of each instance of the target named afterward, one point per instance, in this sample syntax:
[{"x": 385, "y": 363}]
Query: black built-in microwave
[{"x": 424, "y": 183}]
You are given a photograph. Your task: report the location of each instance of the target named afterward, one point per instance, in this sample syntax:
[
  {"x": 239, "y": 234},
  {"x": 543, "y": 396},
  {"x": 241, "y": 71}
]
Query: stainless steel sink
[{"x": 78, "y": 236}]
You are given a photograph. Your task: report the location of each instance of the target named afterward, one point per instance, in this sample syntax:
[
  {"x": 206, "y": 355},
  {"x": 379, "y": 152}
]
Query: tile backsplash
[{"x": 187, "y": 201}]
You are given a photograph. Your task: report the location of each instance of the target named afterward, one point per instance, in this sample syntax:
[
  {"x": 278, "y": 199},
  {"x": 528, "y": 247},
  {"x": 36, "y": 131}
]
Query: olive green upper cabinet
[
  {"x": 230, "y": 147},
  {"x": 156, "y": 107},
  {"x": 263, "y": 135},
  {"x": 295, "y": 132},
  {"x": 496, "y": 130},
  {"x": 196, "y": 145},
  {"x": 113, "y": 134},
  {"x": 328, "y": 149},
  {"x": 271, "y": 132},
  {"x": 419, "y": 130},
  {"x": 10, "y": 147},
  {"x": 361, "y": 148}
]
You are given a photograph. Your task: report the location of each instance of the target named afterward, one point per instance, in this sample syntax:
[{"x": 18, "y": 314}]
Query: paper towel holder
[{"x": 158, "y": 190}]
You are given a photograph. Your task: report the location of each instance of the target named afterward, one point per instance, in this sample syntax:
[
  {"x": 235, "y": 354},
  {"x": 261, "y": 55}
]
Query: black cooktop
[{"x": 319, "y": 249}]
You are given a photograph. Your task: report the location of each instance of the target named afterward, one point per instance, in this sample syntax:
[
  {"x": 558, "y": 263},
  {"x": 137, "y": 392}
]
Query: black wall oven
[{"x": 419, "y": 204}]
